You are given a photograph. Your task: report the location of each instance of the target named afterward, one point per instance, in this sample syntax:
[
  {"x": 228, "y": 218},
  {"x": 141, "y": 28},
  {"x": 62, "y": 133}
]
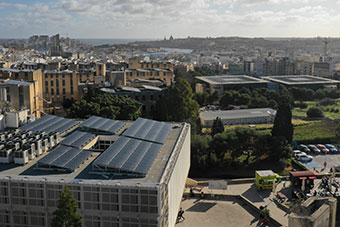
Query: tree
[
  {"x": 106, "y": 105},
  {"x": 283, "y": 122},
  {"x": 202, "y": 98},
  {"x": 200, "y": 152},
  {"x": 66, "y": 213},
  {"x": 314, "y": 112},
  {"x": 320, "y": 94},
  {"x": 217, "y": 126},
  {"x": 213, "y": 98},
  {"x": 177, "y": 104}
]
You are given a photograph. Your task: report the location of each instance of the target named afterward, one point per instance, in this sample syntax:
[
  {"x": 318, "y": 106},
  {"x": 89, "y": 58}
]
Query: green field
[
  {"x": 329, "y": 110},
  {"x": 322, "y": 130}
]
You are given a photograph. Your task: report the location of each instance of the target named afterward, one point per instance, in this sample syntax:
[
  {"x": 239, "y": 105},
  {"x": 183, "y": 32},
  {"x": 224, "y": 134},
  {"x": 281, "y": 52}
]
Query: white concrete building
[
  {"x": 238, "y": 117},
  {"x": 132, "y": 175}
]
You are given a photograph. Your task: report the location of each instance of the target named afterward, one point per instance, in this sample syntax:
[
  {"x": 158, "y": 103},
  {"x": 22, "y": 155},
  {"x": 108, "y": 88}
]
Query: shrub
[
  {"x": 301, "y": 105},
  {"x": 314, "y": 112},
  {"x": 327, "y": 101}
]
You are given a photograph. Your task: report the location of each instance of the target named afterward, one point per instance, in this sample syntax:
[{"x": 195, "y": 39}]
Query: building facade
[
  {"x": 29, "y": 195},
  {"x": 35, "y": 77}
]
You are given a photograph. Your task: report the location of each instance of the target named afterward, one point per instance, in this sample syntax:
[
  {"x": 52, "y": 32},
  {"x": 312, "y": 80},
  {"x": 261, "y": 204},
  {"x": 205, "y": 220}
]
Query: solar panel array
[
  {"x": 103, "y": 124},
  {"x": 130, "y": 155},
  {"x": 78, "y": 139},
  {"x": 149, "y": 130},
  {"x": 64, "y": 157},
  {"x": 51, "y": 123}
]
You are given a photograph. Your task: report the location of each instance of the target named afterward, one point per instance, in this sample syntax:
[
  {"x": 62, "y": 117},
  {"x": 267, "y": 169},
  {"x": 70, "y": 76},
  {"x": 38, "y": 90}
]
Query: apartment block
[
  {"x": 36, "y": 90},
  {"x": 62, "y": 85}
]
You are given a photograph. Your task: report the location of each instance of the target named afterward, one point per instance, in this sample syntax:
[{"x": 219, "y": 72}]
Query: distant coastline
[{"x": 97, "y": 42}]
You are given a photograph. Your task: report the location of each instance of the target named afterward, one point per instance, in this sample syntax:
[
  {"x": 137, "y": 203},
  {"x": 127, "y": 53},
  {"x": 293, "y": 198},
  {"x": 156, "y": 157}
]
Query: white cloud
[{"x": 156, "y": 18}]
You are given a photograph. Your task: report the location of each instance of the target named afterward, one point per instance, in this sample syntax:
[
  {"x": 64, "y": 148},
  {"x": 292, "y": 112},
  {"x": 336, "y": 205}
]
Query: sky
[{"x": 161, "y": 18}]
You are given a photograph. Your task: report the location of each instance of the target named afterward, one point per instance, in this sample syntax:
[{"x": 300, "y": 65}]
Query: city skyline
[{"x": 180, "y": 18}]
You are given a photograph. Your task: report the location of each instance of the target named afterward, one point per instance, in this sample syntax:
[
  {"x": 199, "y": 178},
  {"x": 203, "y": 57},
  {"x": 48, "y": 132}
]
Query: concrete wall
[{"x": 177, "y": 181}]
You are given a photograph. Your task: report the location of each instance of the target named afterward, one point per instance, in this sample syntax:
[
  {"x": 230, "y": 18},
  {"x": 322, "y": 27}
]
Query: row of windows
[
  {"x": 58, "y": 91},
  {"x": 136, "y": 73},
  {"x": 52, "y": 83}
]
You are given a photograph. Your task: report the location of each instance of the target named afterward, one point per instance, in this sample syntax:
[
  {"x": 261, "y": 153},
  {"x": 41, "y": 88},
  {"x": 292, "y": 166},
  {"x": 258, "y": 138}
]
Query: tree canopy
[
  {"x": 283, "y": 122},
  {"x": 66, "y": 213},
  {"x": 314, "y": 112},
  {"x": 177, "y": 104},
  {"x": 106, "y": 105},
  {"x": 217, "y": 126}
]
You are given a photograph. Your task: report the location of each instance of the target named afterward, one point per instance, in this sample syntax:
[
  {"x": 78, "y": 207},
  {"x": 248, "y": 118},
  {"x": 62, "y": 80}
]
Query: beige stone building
[
  {"x": 36, "y": 89},
  {"x": 150, "y": 70},
  {"x": 62, "y": 85}
]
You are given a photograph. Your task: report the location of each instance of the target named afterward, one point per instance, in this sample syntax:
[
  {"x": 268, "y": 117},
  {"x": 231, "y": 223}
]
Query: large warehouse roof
[
  {"x": 231, "y": 79},
  {"x": 300, "y": 80},
  {"x": 237, "y": 114}
]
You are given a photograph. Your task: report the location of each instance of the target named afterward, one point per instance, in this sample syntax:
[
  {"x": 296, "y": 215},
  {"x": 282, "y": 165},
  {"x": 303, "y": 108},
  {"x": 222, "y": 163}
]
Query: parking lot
[{"x": 319, "y": 160}]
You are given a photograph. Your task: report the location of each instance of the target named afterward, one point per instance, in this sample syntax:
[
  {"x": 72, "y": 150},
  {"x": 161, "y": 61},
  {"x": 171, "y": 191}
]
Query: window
[
  {"x": 57, "y": 90},
  {"x": 71, "y": 90},
  {"x": 63, "y": 82},
  {"x": 64, "y": 91},
  {"x": 52, "y": 91},
  {"x": 46, "y": 83},
  {"x": 57, "y": 83},
  {"x": 51, "y": 83},
  {"x": 21, "y": 96}
]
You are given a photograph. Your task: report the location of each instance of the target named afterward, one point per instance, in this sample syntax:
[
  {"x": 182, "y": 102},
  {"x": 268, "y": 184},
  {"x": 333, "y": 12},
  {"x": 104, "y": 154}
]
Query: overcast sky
[{"x": 159, "y": 18}]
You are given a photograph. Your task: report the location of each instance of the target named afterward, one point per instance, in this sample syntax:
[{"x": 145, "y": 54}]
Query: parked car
[
  {"x": 322, "y": 148},
  {"x": 314, "y": 149},
  {"x": 304, "y": 148},
  {"x": 304, "y": 158},
  {"x": 332, "y": 148},
  {"x": 337, "y": 169},
  {"x": 298, "y": 152}
]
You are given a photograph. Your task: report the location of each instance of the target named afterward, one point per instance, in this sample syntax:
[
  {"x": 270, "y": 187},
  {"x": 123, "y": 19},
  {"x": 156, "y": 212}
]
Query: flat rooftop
[
  {"x": 218, "y": 213},
  {"x": 300, "y": 80},
  {"x": 237, "y": 114},
  {"x": 85, "y": 173},
  {"x": 231, "y": 79}
]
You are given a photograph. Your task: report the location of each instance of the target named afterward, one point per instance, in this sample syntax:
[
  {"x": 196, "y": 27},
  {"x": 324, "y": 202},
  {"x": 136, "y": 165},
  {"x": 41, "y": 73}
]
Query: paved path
[
  {"x": 218, "y": 213},
  {"x": 257, "y": 197}
]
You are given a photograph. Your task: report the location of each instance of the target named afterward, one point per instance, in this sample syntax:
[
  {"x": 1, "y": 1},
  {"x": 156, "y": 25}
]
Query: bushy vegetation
[
  {"x": 254, "y": 98},
  {"x": 105, "y": 105},
  {"x": 306, "y": 94},
  {"x": 177, "y": 103},
  {"x": 314, "y": 112}
]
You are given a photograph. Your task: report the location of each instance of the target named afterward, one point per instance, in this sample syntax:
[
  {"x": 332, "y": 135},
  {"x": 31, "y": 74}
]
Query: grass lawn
[
  {"x": 316, "y": 130},
  {"x": 329, "y": 111},
  {"x": 262, "y": 128}
]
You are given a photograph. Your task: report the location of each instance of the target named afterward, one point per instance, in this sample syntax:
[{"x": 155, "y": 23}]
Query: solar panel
[
  {"x": 148, "y": 130},
  {"x": 103, "y": 124},
  {"x": 37, "y": 122},
  {"x": 64, "y": 157},
  {"x": 50, "y": 123},
  {"x": 129, "y": 155},
  {"x": 78, "y": 139}
]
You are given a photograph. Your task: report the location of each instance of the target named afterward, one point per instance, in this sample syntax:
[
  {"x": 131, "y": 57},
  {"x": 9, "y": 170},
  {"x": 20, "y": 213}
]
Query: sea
[{"x": 97, "y": 42}]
